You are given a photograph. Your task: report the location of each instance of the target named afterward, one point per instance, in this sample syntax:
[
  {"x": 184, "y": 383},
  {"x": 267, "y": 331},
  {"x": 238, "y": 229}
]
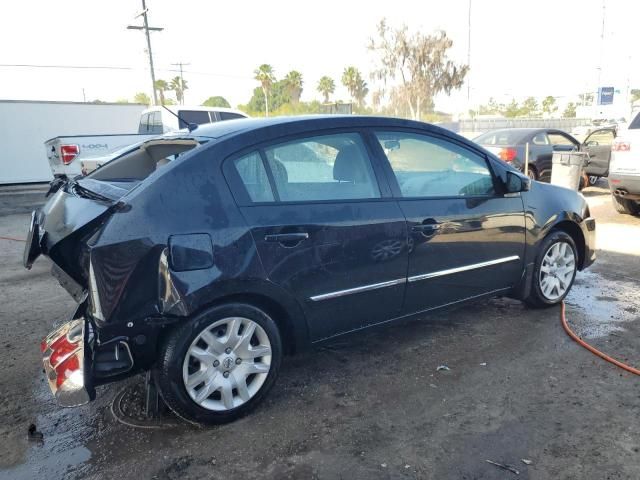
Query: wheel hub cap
[
  {"x": 557, "y": 270},
  {"x": 227, "y": 363}
]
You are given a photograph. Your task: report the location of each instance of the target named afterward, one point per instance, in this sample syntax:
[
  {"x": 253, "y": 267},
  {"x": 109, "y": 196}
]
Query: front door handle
[
  {"x": 287, "y": 239},
  {"x": 426, "y": 227}
]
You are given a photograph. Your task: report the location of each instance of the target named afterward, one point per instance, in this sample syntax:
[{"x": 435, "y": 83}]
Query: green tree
[
  {"x": 529, "y": 108},
  {"x": 326, "y": 86},
  {"x": 161, "y": 87},
  {"x": 142, "y": 98},
  {"x": 216, "y": 101},
  {"x": 512, "y": 110},
  {"x": 362, "y": 90},
  {"x": 418, "y": 62},
  {"x": 350, "y": 78},
  {"x": 264, "y": 74},
  {"x": 570, "y": 110},
  {"x": 293, "y": 82},
  {"x": 179, "y": 86},
  {"x": 278, "y": 96},
  {"x": 549, "y": 105}
]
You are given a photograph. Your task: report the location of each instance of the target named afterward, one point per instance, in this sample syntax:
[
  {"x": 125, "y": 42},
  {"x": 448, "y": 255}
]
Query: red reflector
[
  {"x": 614, "y": 181},
  {"x": 621, "y": 146},
  {"x": 68, "y": 153},
  {"x": 507, "y": 154}
]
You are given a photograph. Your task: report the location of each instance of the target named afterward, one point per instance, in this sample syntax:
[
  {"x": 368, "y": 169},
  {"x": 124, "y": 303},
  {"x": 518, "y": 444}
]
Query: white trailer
[{"x": 25, "y": 126}]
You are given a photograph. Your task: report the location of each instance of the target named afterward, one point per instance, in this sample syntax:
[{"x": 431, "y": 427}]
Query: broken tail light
[{"x": 68, "y": 153}]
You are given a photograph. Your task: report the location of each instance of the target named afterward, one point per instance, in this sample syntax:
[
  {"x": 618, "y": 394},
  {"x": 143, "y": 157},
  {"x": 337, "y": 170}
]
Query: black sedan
[
  {"x": 509, "y": 146},
  {"x": 205, "y": 256}
]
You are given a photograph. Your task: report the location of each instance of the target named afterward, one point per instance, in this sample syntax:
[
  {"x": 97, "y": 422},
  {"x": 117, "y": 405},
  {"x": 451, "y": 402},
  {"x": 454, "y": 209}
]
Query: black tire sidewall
[
  {"x": 168, "y": 372},
  {"x": 537, "y": 297}
]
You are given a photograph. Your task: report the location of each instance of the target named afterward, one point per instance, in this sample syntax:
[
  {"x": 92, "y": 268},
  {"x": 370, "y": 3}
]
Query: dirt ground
[{"x": 368, "y": 406}]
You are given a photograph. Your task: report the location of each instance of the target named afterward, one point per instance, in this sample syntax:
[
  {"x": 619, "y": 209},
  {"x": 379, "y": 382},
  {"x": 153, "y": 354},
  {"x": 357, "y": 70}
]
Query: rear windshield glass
[
  {"x": 193, "y": 116},
  {"x": 500, "y": 137}
]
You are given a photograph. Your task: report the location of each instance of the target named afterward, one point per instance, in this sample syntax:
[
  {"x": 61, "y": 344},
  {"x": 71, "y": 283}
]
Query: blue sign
[{"x": 605, "y": 95}]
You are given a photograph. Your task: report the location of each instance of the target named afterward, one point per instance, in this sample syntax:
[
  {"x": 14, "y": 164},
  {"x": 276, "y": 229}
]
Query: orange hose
[
  {"x": 593, "y": 350},
  {"x": 12, "y": 239}
]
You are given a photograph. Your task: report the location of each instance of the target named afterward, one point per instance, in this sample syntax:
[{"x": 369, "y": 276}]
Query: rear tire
[
  {"x": 625, "y": 206},
  {"x": 220, "y": 365},
  {"x": 554, "y": 270}
]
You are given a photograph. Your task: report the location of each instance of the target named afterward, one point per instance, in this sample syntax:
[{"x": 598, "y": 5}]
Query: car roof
[
  {"x": 309, "y": 122},
  {"x": 197, "y": 108}
]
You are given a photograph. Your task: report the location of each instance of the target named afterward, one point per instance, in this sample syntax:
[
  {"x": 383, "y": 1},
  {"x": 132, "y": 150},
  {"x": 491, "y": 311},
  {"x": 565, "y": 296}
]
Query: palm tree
[
  {"x": 326, "y": 86},
  {"x": 293, "y": 82},
  {"x": 264, "y": 74},
  {"x": 361, "y": 92},
  {"x": 178, "y": 85},
  {"x": 351, "y": 78},
  {"x": 161, "y": 86}
]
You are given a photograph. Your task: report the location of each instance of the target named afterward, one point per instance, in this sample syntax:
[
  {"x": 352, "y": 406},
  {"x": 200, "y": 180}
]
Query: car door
[
  {"x": 326, "y": 228},
  {"x": 540, "y": 155},
  {"x": 598, "y": 146},
  {"x": 466, "y": 238}
]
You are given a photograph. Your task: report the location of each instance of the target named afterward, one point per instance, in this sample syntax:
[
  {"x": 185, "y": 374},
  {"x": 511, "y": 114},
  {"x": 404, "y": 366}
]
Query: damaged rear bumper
[{"x": 66, "y": 364}]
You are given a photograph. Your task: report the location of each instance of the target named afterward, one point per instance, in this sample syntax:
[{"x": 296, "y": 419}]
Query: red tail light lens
[
  {"x": 621, "y": 146},
  {"x": 507, "y": 154},
  {"x": 69, "y": 152}
]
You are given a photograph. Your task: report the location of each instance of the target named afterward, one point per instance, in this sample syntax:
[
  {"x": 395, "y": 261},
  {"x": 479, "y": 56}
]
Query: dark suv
[{"x": 205, "y": 256}]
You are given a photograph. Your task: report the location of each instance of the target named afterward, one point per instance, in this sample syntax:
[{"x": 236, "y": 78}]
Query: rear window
[
  {"x": 635, "y": 124},
  {"x": 500, "y": 137},
  {"x": 198, "y": 117}
]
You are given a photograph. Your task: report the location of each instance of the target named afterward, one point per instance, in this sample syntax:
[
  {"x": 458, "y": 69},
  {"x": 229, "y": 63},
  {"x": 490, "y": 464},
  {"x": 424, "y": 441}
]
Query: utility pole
[
  {"x": 595, "y": 97},
  {"x": 146, "y": 29},
  {"x": 469, "y": 54},
  {"x": 180, "y": 65}
]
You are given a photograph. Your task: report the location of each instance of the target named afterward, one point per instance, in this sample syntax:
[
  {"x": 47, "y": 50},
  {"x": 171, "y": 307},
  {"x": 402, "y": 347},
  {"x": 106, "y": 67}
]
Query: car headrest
[{"x": 348, "y": 165}]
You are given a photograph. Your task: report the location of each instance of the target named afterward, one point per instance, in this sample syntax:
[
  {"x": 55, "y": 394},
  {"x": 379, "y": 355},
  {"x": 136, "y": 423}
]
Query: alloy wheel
[
  {"x": 227, "y": 363},
  {"x": 557, "y": 270}
]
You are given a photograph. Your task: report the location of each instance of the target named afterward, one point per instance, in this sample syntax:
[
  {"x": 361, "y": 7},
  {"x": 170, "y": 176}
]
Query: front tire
[
  {"x": 554, "y": 271},
  {"x": 220, "y": 365},
  {"x": 625, "y": 206}
]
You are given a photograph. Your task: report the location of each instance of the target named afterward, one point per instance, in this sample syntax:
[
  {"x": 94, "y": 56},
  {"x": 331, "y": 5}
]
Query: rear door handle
[{"x": 287, "y": 237}]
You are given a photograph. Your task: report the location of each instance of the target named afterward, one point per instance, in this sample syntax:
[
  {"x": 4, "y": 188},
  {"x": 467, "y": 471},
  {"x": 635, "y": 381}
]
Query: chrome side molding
[
  {"x": 415, "y": 278},
  {"x": 364, "y": 288},
  {"x": 449, "y": 271}
]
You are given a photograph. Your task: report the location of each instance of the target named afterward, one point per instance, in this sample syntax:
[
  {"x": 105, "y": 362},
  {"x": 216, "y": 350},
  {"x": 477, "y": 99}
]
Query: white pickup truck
[
  {"x": 66, "y": 154},
  {"x": 624, "y": 170}
]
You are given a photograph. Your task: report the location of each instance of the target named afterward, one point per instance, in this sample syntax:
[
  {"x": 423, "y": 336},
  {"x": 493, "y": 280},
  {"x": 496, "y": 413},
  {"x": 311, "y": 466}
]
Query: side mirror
[
  {"x": 591, "y": 143},
  {"x": 517, "y": 182}
]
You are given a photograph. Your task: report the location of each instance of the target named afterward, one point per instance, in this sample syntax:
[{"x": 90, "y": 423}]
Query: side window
[
  {"x": 229, "y": 115},
  {"x": 601, "y": 137},
  {"x": 559, "y": 139},
  {"x": 430, "y": 167},
  {"x": 331, "y": 167},
  {"x": 540, "y": 139},
  {"x": 254, "y": 177}
]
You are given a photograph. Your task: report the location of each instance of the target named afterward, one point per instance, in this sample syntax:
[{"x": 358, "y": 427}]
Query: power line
[{"x": 125, "y": 68}]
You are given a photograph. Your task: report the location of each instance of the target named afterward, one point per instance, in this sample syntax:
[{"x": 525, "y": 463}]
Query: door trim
[
  {"x": 473, "y": 266},
  {"x": 364, "y": 288}
]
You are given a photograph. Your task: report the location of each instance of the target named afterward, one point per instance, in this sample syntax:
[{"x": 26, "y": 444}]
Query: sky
[{"x": 519, "y": 48}]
